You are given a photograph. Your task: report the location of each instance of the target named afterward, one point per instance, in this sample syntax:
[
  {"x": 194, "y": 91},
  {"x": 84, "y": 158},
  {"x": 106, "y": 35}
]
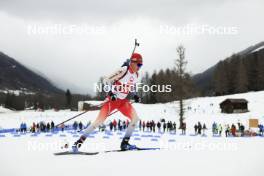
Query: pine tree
[
  {"x": 68, "y": 98},
  {"x": 242, "y": 78}
]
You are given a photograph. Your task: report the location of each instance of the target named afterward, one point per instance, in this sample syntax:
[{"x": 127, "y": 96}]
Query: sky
[{"x": 75, "y": 42}]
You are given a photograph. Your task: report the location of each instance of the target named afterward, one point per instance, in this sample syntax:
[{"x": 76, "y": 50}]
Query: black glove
[
  {"x": 113, "y": 97},
  {"x": 136, "y": 98}
]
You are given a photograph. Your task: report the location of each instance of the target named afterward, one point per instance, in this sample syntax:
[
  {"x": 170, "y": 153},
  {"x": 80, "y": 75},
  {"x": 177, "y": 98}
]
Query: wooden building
[
  {"x": 234, "y": 106},
  {"x": 88, "y": 105}
]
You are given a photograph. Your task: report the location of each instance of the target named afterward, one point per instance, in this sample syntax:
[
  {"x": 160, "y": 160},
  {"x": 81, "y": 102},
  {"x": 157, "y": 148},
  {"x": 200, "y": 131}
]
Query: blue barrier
[
  {"x": 156, "y": 136},
  {"x": 193, "y": 135},
  {"x": 146, "y": 135},
  {"x": 33, "y": 135},
  {"x": 172, "y": 140},
  {"x": 216, "y": 136},
  {"x": 8, "y": 130},
  {"x": 136, "y": 135},
  {"x": 90, "y": 136}
]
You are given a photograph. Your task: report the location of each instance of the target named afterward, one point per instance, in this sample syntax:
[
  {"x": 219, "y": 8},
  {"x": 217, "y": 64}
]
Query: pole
[{"x": 100, "y": 105}]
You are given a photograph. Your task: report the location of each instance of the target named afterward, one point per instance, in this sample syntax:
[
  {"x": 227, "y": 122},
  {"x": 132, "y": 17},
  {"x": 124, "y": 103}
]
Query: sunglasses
[{"x": 139, "y": 64}]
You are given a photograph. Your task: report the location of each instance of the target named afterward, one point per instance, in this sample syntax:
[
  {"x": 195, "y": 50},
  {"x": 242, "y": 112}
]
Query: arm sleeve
[{"x": 110, "y": 79}]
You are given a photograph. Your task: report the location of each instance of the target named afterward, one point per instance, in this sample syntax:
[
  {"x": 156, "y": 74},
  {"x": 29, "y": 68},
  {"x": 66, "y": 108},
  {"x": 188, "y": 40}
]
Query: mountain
[
  {"x": 16, "y": 76},
  {"x": 204, "y": 80}
]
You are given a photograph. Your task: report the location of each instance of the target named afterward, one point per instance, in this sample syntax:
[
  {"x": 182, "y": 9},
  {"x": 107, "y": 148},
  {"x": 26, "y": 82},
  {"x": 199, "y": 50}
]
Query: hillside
[
  {"x": 15, "y": 76},
  {"x": 247, "y": 63}
]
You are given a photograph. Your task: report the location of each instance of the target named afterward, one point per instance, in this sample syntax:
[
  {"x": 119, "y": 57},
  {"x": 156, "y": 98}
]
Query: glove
[
  {"x": 136, "y": 98},
  {"x": 113, "y": 97}
]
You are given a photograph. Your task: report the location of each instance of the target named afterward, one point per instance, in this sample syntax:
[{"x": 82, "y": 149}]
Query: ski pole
[
  {"x": 136, "y": 44},
  {"x": 100, "y": 105}
]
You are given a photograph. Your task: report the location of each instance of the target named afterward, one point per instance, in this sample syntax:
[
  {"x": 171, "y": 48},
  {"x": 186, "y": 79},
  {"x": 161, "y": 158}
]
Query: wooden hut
[{"x": 234, "y": 106}]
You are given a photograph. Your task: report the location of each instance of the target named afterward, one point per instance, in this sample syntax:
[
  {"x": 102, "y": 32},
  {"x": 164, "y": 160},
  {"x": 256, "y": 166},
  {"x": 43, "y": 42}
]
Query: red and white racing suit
[{"x": 122, "y": 81}]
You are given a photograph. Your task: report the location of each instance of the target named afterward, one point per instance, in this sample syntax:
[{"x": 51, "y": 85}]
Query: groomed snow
[{"x": 181, "y": 155}]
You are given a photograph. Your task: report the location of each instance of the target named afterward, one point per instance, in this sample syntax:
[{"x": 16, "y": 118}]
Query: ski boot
[
  {"x": 78, "y": 144},
  {"x": 126, "y": 146}
]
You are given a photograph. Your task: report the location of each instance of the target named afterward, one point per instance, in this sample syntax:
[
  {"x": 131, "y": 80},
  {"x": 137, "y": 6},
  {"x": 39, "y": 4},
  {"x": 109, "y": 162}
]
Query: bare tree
[{"x": 180, "y": 64}]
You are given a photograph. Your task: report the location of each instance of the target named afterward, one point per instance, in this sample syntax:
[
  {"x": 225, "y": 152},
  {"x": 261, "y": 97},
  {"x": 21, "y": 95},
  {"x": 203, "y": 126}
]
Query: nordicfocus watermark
[
  {"x": 199, "y": 146},
  {"x": 132, "y": 88},
  {"x": 163, "y": 144},
  {"x": 198, "y": 29},
  {"x": 61, "y": 29},
  {"x": 57, "y": 145}
]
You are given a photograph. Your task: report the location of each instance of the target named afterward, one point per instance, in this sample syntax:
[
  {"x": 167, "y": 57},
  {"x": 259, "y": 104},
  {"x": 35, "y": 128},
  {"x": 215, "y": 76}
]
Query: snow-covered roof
[
  {"x": 3, "y": 110},
  {"x": 93, "y": 102}
]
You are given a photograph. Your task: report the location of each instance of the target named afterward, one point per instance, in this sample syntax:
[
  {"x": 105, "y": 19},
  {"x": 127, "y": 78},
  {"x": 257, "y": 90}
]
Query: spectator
[
  {"x": 174, "y": 127},
  {"x": 48, "y": 127},
  {"x": 214, "y": 128},
  {"x": 199, "y": 128},
  {"x": 80, "y": 126},
  {"x": 195, "y": 129},
  {"x": 62, "y": 126},
  {"x": 184, "y": 128},
  {"x": 233, "y": 130},
  {"x": 158, "y": 126},
  {"x": 204, "y": 128},
  {"x": 52, "y": 125},
  {"x": 75, "y": 125},
  {"x": 164, "y": 127},
  {"x": 111, "y": 126},
  {"x": 242, "y": 129},
  {"x": 220, "y": 129},
  {"x": 227, "y": 130},
  {"x": 261, "y": 130}
]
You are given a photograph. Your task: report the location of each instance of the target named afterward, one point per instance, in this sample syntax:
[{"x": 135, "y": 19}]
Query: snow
[
  {"x": 4, "y": 110},
  {"x": 181, "y": 155},
  {"x": 17, "y": 92},
  {"x": 260, "y": 48}
]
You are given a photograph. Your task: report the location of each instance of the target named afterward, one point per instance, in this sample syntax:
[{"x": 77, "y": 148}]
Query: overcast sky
[{"x": 74, "y": 42}]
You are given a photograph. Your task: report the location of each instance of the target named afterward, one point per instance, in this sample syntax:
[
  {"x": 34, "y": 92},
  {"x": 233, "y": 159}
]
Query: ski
[
  {"x": 107, "y": 151},
  {"x": 137, "y": 149},
  {"x": 75, "y": 153}
]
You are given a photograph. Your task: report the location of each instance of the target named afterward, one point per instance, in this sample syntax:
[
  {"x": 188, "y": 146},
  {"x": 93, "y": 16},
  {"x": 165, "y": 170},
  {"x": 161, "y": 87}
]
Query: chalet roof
[{"x": 234, "y": 100}]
